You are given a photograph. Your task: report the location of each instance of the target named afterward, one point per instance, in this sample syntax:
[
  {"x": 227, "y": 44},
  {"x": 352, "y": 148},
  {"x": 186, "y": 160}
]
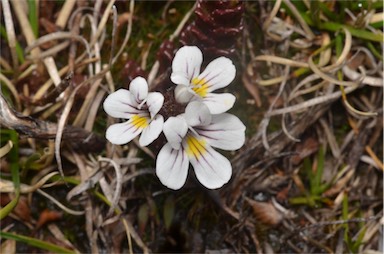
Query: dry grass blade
[
  {"x": 119, "y": 183},
  {"x": 11, "y": 35},
  {"x": 65, "y": 12},
  {"x": 45, "y": 87},
  {"x": 128, "y": 32},
  {"x": 6, "y": 148},
  {"x": 85, "y": 185},
  {"x": 374, "y": 157},
  {"x": 368, "y": 80},
  {"x": 8, "y": 186},
  {"x": 102, "y": 23},
  {"x": 132, "y": 232},
  {"x": 274, "y": 11},
  {"x": 351, "y": 108},
  {"x": 312, "y": 102},
  {"x": 12, "y": 89},
  {"x": 304, "y": 25},
  {"x": 25, "y": 25},
  {"x": 344, "y": 53},
  {"x": 50, "y": 65},
  {"x": 60, "y": 205},
  {"x": 328, "y": 78},
  {"x": 58, "y": 234},
  {"x": 305, "y": 82},
  {"x": 64, "y": 117},
  {"x": 271, "y": 81},
  {"x": 127, "y": 230},
  {"x": 155, "y": 68},
  {"x": 4, "y": 65},
  {"x": 54, "y": 50},
  {"x": 281, "y": 60},
  {"x": 58, "y": 36},
  {"x": 267, "y": 117},
  {"x": 331, "y": 139},
  {"x": 94, "y": 110},
  {"x": 286, "y": 131}
]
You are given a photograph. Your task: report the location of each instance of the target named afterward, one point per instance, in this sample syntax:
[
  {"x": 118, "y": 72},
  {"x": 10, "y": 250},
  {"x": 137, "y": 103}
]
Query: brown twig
[{"x": 35, "y": 128}]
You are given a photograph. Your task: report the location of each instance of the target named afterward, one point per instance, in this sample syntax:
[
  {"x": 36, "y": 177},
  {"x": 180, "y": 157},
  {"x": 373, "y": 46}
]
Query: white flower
[
  {"x": 193, "y": 85},
  {"x": 140, "y": 108},
  {"x": 191, "y": 137}
]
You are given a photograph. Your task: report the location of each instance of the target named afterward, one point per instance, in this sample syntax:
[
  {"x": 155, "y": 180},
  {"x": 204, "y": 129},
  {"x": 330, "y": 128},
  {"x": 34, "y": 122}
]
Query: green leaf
[
  {"x": 319, "y": 172},
  {"x": 142, "y": 217},
  {"x": 33, "y": 18},
  {"x": 19, "y": 50},
  {"x": 169, "y": 211},
  {"x": 13, "y": 158},
  {"x": 315, "y": 11},
  {"x": 35, "y": 242}
]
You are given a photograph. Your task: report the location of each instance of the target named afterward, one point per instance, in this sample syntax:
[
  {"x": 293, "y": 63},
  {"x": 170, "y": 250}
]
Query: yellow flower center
[
  {"x": 139, "y": 121},
  {"x": 200, "y": 86},
  {"x": 195, "y": 146}
]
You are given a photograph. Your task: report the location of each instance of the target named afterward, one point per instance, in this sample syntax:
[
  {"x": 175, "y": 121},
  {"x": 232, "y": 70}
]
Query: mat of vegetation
[{"x": 308, "y": 88}]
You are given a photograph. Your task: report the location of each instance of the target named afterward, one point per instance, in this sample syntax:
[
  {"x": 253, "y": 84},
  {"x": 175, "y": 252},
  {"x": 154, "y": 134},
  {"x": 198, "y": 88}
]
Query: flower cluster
[{"x": 192, "y": 135}]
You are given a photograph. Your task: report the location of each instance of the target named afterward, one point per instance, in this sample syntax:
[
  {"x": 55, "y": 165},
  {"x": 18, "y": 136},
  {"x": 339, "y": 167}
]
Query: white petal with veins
[
  {"x": 120, "y": 105},
  {"x": 197, "y": 114},
  {"x": 226, "y": 132},
  {"x": 122, "y": 133},
  {"x": 155, "y": 101},
  {"x": 175, "y": 129},
  {"x": 172, "y": 167},
  {"x": 139, "y": 89},
  {"x": 219, "y": 103},
  {"x": 212, "y": 169},
  {"x": 186, "y": 65},
  {"x": 219, "y": 73},
  {"x": 152, "y": 131}
]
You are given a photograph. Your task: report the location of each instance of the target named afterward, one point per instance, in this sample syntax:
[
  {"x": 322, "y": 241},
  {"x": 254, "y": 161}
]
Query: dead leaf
[
  {"x": 48, "y": 216},
  {"x": 265, "y": 212},
  {"x": 304, "y": 149}
]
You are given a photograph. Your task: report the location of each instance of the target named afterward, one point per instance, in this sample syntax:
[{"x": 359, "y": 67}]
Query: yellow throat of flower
[
  {"x": 139, "y": 121},
  {"x": 200, "y": 86},
  {"x": 195, "y": 147}
]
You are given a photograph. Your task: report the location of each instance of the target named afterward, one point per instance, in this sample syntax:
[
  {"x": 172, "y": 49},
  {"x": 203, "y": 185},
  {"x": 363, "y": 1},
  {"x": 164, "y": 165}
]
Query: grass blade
[
  {"x": 14, "y": 164},
  {"x": 35, "y": 242}
]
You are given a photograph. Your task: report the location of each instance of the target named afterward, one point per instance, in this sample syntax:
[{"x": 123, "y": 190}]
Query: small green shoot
[
  {"x": 352, "y": 245},
  {"x": 313, "y": 197},
  {"x": 13, "y": 157}
]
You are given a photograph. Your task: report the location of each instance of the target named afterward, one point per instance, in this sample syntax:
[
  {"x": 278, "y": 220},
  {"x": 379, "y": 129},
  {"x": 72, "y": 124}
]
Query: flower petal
[
  {"x": 219, "y": 103},
  {"x": 172, "y": 167},
  {"x": 152, "y": 131},
  {"x": 122, "y": 133},
  {"x": 226, "y": 132},
  {"x": 175, "y": 129},
  {"x": 183, "y": 94},
  {"x": 197, "y": 114},
  {"x": 218, "y": 74},
  {"x": 186, "y": 65},
  {"x": 120, "y": 104},
  {"x": 212, "y": 169},
  {"x": 155, "y": 101},
  {"x": 139, "y": 89}
]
